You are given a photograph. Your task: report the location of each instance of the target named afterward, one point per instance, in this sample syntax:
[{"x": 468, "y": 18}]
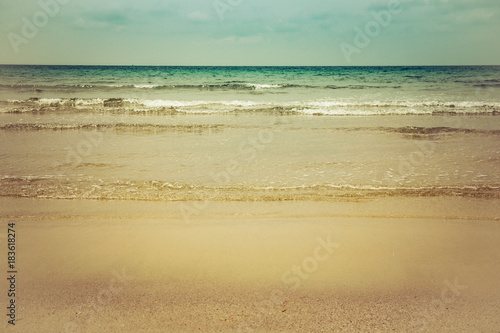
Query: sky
[{"x": 250, "y": 32}]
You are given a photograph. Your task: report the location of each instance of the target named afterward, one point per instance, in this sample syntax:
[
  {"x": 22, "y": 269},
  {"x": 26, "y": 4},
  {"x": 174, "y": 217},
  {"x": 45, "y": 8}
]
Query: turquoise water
[{"x": 307, "y": 90}]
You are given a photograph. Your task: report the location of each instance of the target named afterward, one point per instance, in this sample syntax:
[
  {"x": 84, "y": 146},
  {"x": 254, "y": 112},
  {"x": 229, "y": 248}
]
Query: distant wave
[
  {"x": 227, "y": 86},
  {"x": 439, "y": 130},
  {"x": 123, "y": 127},
  {"x": 361, "y": 86},
  {"x": 413, "y": 130},
  {"x": 224, "y": 86},
  {"x": 487, "y": 85},
  {"x": 107, "y": 87},
  {"x": 148, "y": 128}
]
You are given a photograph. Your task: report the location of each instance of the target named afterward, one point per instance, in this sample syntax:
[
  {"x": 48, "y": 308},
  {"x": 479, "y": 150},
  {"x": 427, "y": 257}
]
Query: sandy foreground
[{"x": 384, "y": 265}]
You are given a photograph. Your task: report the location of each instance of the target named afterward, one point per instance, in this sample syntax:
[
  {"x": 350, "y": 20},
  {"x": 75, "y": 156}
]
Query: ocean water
[
  {"x": 249, "y": 133},
  {"x": 301, "y": 90}
]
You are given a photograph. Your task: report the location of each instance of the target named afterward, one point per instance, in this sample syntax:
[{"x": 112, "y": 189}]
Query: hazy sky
[{"x": 249, "y": 32}]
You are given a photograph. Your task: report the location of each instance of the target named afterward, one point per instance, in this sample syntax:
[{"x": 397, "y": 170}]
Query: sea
[{"x": 167, "y": 133}]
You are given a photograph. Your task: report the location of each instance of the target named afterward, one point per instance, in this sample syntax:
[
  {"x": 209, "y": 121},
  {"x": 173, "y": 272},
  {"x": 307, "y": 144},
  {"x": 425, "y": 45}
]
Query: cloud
[
  {"x": 198, "y": 16},
  {"x": 478, "y": 16},
  {"x": 237, "y": 40},
  {"x": 102, "y": 20},
  {"x": 87, "y": 24}
]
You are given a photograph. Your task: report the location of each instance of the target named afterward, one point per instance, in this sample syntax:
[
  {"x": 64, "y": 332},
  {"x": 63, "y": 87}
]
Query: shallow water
[{"x": 266, "y": 134}]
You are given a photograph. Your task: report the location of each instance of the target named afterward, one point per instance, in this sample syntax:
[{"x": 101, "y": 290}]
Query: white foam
[
  {"x": 89, "y": 102},
  {"x": 50, "y": 101},
  {"x": 146, "y": 86},
  {"x": 333, "y": 107},
  {"x": 171, "y": 103},
  {"x": 264, "y": 86}
]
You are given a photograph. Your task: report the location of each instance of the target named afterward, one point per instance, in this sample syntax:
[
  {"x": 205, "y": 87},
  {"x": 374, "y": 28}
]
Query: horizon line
[{"x": 102, "y": 65}]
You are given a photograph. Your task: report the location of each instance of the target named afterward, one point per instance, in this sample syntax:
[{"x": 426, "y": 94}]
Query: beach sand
[{"x": 381, "y": 265}]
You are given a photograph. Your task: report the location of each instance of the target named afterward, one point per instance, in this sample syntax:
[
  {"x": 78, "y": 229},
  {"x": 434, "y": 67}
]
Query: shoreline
[{"x": 458, "y": 208}]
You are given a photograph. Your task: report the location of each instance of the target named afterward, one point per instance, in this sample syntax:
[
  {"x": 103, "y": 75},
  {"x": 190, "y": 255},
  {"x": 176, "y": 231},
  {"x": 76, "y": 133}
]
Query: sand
[{"x": 382, "y": 265}]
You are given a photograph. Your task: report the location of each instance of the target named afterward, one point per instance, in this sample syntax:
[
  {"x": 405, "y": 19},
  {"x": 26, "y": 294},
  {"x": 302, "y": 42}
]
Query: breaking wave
[
  {"x": 313, "y": 107},
  {"x": 56, "y": 187}
]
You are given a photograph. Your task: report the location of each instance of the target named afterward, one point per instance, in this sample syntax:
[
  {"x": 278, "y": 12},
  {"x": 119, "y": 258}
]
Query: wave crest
[{"x": 313, "y": 107}]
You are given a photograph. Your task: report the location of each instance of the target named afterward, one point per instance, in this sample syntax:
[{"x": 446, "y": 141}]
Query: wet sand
[{"x": 381, "y": 265}]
